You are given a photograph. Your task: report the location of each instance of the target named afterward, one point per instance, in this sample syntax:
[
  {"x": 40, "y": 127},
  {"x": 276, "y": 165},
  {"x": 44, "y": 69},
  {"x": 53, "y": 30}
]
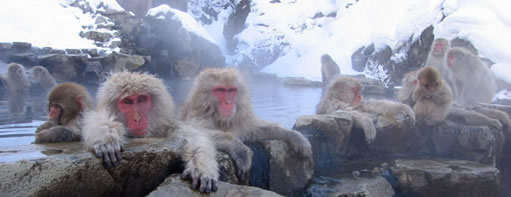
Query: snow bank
[
  {"x": 188, "y": 22},
  {"x": 43, "y": 23},
  {"x": 388, "y": 22}
]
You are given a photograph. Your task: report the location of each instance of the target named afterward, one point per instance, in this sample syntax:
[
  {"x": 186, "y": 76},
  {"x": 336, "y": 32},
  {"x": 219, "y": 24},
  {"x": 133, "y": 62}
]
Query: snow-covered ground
[{"x": 48, "y": 23}]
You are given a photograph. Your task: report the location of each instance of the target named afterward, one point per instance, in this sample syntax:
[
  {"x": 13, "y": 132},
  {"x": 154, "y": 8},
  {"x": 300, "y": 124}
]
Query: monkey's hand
[
  {"x": 104, "y": 137},
  {"x": 201, "y": 179},
  {"x": 242, "y": 158},
  {"x": 301, "y": 145},
  {"x": 496, "y": 124}
]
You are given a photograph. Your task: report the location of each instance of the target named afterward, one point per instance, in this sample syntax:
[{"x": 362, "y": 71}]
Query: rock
[
  {"x": 5, "y": 46},
  {"x": 26, "y": 59},
  {"x": 300, "y": 81},
  {"x": 73, "y": 51},
  {"x": 360, "y": 57},
  {"x": 94, "y": 73},
  {"x": 65, "y": 169},
  {"x": 351, "y": 187},
  {"x": 137, "y": 7},
  {"x": 289, "y": 174},
  {"x": 64, "y": 67},
  {"x": 21, "y": 46},
  {"x": 175, "y": 186},
  {"x": 329, "y": 136},
  {"x": 186, "y": 69},
  {"x": 120, "y": 61},
  {"x": 334, "y": 138},
  {"x": 445, "y": 178},
  {"x": 456, "y": 140},
  {"x": 236, "y": 23}
]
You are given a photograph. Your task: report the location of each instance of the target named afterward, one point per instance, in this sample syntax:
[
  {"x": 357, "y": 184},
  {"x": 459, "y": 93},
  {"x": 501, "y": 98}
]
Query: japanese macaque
[
  {"x": 136, "y": 105},
  {"x": 219, "y": 100},
  {"x": 343, "y": 93},
  {"x": 432, "y": 97},
  {"x": 474, "y": 82},
  {"x": 18, "y": 87},
  {"x": 329, "y": 69},
  {"x": 436, "y": 58},
  {"x": 409, "y": 83},
  {"x": 41, "y": 78},
  {"x": 66, "y": 104}
]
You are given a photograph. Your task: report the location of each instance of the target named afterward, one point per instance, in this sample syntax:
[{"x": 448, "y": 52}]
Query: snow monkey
[
  {"x": 436, "y": 58},
  {"x": 136, "y": 105},
  {"x": 409, "y": 83},
  {"x": 474, "y": 82},
  {"x": 42, "y": 78},
  {"x": 432, "y": 97},
  {"x": 343, "y": 93},
  {"x": 219, "y": 100},
  {"x": 66, "y": 104},
  {"x": 329, "y": 69},
  {"x": 18, "y": 87}
]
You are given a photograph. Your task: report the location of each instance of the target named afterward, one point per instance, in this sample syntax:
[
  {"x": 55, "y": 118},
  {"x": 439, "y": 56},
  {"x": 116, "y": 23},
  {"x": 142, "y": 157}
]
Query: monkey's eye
[
  {"x": 219, "y": 90},
  {"x": 233, "y": 90},
  {"x": 127, "y": 101},
  {"x": 427, "y": 85},
  {"x": 141, "y": 99}
]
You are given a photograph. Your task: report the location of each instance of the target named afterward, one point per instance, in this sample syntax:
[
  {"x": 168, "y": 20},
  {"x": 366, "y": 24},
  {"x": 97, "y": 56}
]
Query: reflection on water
[{"x": 271, "y": 101}]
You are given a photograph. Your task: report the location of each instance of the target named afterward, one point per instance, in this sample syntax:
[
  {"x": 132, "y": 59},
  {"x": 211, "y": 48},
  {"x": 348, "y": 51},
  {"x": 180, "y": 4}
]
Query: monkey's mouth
[{"x": 139, "y": 132}]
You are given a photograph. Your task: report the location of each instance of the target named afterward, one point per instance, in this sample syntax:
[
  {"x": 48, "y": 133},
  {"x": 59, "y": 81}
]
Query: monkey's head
[
  {"x": 325, "y": 59},
  {"x": 440, "y": 46},
  {"x": 458, "y": 57},
  {"x": 137, "y": 99},
  {"x": 15, "y": 71},
  {"x": 66, "y": 101},
  {"x": 410, "y": 79},
  {"x": 346, "y": 89},
  {"x": 430, "y": 78},
  {"x": 39, "y": 72},
  {"x": 220, "y": 95}
]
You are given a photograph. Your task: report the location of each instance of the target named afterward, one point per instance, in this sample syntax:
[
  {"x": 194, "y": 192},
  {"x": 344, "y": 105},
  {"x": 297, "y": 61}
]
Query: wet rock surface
[
  {"x": 445, "y": 178},
  {"x": 175, "y": 186},
  {"x": 351, "y": 187}
]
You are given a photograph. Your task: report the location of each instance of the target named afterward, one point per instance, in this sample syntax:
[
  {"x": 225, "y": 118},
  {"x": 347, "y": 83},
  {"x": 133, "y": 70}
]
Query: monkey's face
[
  {"x": 430, "y": 86},
  {"x": 439, "y": 48},
  {"x": 135, "y": 109},
  {"x": 226, "y": 97},
  {"x": 55, "y": 113},
  {"x": 357, "y": 98},
  {"x": 16, "y": 71}
]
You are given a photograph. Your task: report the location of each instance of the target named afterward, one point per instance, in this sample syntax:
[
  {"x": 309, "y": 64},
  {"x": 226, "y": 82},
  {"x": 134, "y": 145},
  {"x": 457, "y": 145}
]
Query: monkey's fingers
[
  {"x": 206, "y": 184},
  {"x": 214, "y": 186}
]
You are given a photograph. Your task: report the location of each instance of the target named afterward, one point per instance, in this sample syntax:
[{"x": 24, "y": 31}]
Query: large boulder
[
  {"x": 351, "y": 187},
  {"x": 175, "y": 186},
  {"x": 460, "y": 141},
  {"x": 445, "y": 178},
  {"x": 65, "y": 169}
]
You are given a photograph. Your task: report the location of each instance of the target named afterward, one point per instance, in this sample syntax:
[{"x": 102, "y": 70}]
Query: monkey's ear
[{"x": 79, "y": 98}]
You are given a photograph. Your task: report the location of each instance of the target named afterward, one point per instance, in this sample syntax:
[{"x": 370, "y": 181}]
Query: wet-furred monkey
[
  {"x": 432, "y": 97},
  {"x": 344, "y": 93},
  {"x": 329, "y": 69},
  {"x": 436, "y": 58},
  {"x": 474, "y": 81},
  {"x": 136, "y": 105},
  {"x": 66, "y": 104},
  {"x": 219, "y": 100}
]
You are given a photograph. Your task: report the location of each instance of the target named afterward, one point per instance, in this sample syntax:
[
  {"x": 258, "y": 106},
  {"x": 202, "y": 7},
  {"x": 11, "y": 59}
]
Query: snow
[
  {"x": 390, "y": 22},
  {"x": 188, "y": 22},
  {"x": 44, "y": 23}
]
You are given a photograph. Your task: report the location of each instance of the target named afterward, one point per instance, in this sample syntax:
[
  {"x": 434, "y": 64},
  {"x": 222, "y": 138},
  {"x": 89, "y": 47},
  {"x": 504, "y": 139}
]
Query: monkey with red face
[
  {"x": 66, "y": 104},
  {"x": 137, "y": 105},
  {"x": 219, "y": 101}
]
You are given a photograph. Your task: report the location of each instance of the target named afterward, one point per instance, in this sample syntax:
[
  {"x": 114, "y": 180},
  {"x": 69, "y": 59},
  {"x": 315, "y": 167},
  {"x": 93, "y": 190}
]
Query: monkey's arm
[
  {"x": 365, "y": 123},
  {"x": 199, "y": 155},
  {"x": 270, "y": 131},
  {"x": 46, "y": 125},
  {"x": 239, "y": 152},
  {"x": 494, "y": 113},
  {"x": 474, "y": 118},
  {"x": 56, "y": 134},
  {"x": 103, "y": 136}
]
